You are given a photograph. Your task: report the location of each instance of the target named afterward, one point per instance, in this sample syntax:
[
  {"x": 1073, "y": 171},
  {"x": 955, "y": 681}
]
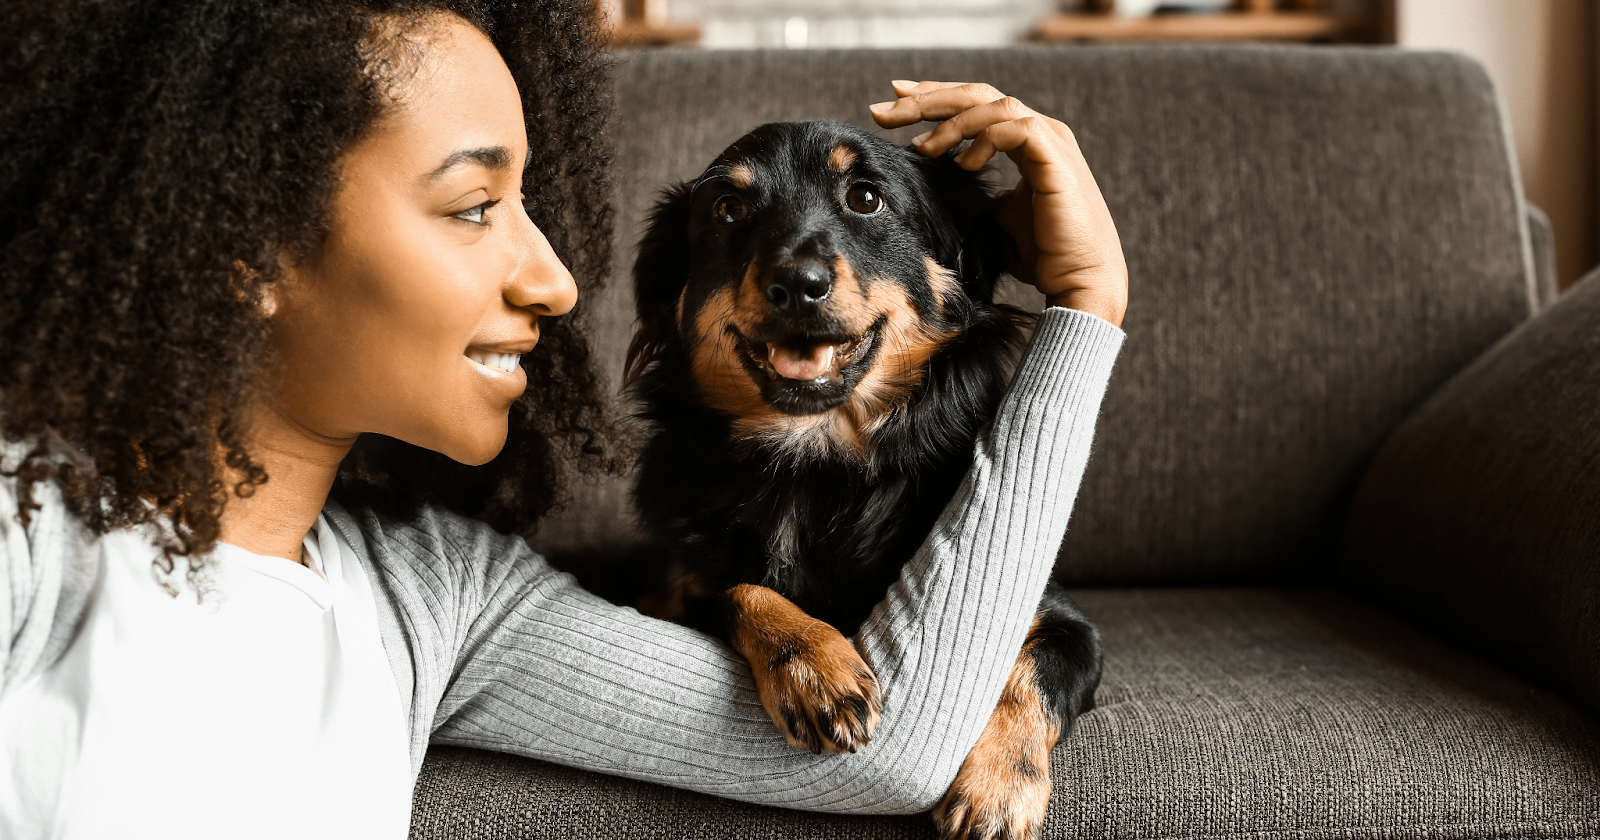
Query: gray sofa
[{"x": 1341, "y": 530}]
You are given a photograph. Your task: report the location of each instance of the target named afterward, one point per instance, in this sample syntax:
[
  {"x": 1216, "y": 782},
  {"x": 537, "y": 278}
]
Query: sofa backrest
[{"x": 1317, "y": 238}]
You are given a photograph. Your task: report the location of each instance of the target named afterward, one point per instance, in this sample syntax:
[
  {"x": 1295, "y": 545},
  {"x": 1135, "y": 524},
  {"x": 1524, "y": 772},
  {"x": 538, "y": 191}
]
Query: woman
[{"x": 273, "y": 275}]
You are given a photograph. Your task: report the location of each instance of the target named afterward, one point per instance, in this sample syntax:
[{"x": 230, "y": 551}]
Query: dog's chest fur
[{"x": 830, "y": 534}]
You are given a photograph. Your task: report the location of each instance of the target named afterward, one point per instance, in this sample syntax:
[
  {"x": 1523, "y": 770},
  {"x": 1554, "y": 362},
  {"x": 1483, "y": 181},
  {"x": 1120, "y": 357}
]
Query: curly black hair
[{"x": 157, "y": 157}]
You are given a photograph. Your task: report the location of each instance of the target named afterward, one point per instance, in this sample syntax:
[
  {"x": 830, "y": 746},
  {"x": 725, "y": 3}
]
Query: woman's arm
[{"x": 505, "y": 653}]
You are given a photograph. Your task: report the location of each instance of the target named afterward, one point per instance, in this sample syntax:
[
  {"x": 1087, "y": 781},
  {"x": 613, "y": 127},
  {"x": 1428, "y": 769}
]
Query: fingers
[
  {"x": 1044, "y": 157},
  {"x": 1064, "y": 232},
  {"x": 931, "y": 101},
  {"x": 966, "y": 110}
]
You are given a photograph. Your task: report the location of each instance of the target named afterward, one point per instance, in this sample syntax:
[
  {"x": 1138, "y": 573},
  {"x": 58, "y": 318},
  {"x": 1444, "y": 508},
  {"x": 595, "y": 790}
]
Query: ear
[
  {"x": 981, "y": 248},
  {"x": 660, "y": 272}
]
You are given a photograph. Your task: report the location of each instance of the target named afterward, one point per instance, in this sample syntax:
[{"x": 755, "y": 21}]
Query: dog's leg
[
  {"x": 812, "y": 682},
  {"x": 1003, "y": 788}
]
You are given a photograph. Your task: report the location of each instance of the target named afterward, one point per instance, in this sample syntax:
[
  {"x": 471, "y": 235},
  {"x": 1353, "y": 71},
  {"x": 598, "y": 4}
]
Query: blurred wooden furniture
[
  {"x": 643, "y": 23},
  {"x": 1249, "y": 20}
]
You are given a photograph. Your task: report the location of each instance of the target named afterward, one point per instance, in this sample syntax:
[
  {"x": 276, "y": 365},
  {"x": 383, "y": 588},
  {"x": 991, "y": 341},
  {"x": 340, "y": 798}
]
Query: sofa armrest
[
  {"x": 1546, "y": 287},
  {"x": 1480, "y": 516}
]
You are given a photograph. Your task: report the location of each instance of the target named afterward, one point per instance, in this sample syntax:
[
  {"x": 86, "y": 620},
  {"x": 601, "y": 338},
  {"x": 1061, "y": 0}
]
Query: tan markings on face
[
  {"x": 718, "y": 373},
  {"x": 905, "y": 345},
  {"x": 841, "y": 158},
  {"x": 810, "y": 679},
  {"x": 945, "y": 285},
  {"x": 848, "y": 301},
  {"x": 741, "y": 176},
  {"x": 1003, "y": 787}
]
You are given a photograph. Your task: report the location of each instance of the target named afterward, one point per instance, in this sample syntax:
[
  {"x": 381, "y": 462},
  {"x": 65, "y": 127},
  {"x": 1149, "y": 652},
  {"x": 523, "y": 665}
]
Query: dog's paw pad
[
  {"x": 820, "y": 694},
  {"x": 1001, "y": 793}
]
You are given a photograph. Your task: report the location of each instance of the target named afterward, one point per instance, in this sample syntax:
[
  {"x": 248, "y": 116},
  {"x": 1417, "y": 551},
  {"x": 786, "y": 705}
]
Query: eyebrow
[{"x": 493, "y": 158}]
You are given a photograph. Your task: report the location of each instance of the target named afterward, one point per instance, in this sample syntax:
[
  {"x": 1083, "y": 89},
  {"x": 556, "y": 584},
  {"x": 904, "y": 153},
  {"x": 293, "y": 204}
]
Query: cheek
[
  {"x": 376, "y": 335},
  {"x": 910, "y": 339},
  {"x": 719, "y": 374}
]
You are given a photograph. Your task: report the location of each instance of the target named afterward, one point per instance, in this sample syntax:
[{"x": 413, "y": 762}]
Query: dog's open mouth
[
  {"x": 817, "y": 363},
  {"x": 799, "y": 375}
]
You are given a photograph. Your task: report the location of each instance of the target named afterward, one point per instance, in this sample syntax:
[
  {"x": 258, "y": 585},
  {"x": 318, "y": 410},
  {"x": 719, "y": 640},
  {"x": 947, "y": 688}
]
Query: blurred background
[{"x": 1541, "y": 53}]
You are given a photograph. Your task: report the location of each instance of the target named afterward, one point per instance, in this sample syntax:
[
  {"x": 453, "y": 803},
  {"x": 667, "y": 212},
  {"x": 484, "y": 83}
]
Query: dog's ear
[
  {"x": 660, "y": 272},
  {"x": 970, "y": 239}
]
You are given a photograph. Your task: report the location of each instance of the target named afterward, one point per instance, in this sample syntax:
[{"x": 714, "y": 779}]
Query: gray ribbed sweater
[{"x": 493, "y": 648}]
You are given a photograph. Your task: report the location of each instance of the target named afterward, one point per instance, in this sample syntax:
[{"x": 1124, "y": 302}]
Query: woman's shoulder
[
  {"x": 428, "y": 528},
  {"x": 430, "y": 542},
  {"x": 48, "y": 569},
  {"x": 34, "y": 518}
]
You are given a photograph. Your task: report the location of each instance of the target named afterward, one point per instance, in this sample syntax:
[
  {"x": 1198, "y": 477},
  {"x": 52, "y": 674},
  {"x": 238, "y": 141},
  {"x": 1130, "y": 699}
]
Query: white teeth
[{"x": 506, "y": 362}]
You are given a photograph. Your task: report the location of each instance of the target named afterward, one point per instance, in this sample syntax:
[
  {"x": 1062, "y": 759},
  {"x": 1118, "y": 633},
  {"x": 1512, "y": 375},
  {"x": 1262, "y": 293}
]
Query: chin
[{"x": 477, "y": 450}]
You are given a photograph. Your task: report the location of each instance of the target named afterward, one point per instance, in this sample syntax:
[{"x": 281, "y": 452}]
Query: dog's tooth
[{"x": 825, "y": 361}]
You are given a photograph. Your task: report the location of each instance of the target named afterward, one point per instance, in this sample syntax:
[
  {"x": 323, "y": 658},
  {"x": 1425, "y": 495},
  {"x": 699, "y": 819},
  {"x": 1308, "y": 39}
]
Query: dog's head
[{"x": 810, "y": 275}]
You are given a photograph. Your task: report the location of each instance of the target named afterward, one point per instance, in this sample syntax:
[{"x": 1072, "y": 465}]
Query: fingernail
[
  {"x": 903, "y": 83},
  {"x": 881, "y": 107},
  {"x": 921, "y": 138}
]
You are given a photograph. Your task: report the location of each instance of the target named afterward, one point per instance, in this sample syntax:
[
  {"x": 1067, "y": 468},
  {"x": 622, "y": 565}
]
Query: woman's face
[{"x": 409, "y": 320}]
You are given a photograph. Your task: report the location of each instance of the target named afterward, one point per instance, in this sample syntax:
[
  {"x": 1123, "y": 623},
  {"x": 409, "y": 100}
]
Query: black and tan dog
[{"x": 818, "y": 348}]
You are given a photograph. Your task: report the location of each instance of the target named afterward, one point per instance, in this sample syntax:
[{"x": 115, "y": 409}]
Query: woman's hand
[{"x": 1069, "y": 245}]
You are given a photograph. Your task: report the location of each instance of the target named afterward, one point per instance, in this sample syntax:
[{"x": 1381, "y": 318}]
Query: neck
[{"x": 301, "y": 466}]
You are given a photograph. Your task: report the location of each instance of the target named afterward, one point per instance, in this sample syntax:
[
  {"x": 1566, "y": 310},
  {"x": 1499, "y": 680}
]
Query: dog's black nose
[{"x": 800, "y": 287}]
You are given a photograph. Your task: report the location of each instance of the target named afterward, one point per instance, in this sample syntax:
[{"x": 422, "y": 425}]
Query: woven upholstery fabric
[
  {"x": 1543, "y": 238},
  {"x": 1261, "y": 713},
  {"x": 1317, "y": 239},
  {"x": 1481, "y": 517}
]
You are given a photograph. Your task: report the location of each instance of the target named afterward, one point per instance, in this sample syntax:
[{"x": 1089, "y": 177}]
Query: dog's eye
[
  {"x": 864, "y": 199},
  {"x": 729, "y": 209}
]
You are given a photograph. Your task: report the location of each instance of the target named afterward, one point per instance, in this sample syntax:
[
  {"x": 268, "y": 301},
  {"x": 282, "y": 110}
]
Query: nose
[
  {"x": 799, "y": 287},
  {"x": 538, "y": 280}
]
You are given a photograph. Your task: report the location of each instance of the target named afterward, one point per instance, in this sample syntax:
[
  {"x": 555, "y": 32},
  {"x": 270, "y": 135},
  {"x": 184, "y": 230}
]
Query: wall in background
[
  {"x": 740, "y": 24},
  {"x": 861, "y": 23},
  {"x": 1542, "y": 56}
]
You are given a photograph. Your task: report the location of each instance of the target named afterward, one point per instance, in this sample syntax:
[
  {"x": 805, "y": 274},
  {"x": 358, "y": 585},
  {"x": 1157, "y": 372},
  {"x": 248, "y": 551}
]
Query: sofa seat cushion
[{"x": 1272, "y": 713}]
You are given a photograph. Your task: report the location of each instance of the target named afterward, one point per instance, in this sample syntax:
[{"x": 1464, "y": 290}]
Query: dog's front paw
[
  {"x": 819, "y": 692},
  {"x": 810, "y": 679}
]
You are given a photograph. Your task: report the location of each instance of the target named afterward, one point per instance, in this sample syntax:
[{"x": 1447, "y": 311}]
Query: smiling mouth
[
  {"x": 797, "y": 376},
  {"x": 503, "y": 362},
  {"x": 816, "y": 364}
]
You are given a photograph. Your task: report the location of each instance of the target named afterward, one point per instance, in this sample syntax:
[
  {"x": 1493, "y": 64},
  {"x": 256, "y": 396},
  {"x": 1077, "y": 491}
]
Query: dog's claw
[
  {"x": 988, "y": 802},
  {"x": 812, "y": 682},
  {"x": 825, "y": 697}
]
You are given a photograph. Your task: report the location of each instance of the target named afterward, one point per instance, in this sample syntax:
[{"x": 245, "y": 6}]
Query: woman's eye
[
  {"x": 863, "y": 198},
  {"x": 729, "y": 209},
  {"x": 475, "y": 214}
]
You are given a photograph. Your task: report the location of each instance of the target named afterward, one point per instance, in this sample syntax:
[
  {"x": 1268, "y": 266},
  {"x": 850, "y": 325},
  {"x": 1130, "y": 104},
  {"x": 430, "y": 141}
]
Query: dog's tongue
[{"x": 805, "y": 365}]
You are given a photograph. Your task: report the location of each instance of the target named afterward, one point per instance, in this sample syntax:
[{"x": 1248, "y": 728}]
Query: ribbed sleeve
[{"x": 495, "y": 649}]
